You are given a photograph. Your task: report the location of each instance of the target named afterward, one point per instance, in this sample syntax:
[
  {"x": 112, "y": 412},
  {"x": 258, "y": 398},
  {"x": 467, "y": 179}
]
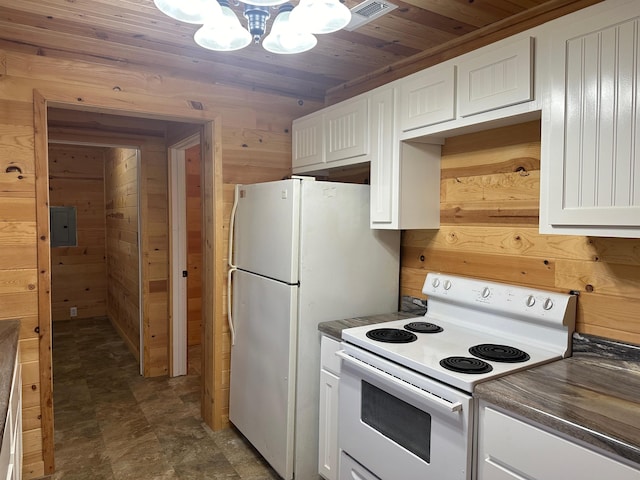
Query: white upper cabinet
[
  {"x": 346, "y": 130},
  {"x": 308, "y": 141},
  {"x": 405, "y": 176},
  {"x": 427, "y": 97},
  {"x": 590, "y": 171},
  {"x": 384, "y": 183},
  {"x": 335, "y": 136},
  {"x": 498, "y": 78}
]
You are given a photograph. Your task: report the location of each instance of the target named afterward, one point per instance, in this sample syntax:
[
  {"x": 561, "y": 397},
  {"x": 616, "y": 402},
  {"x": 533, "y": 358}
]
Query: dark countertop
[
  {"x": 9, "y": 334},
  {"x": 592, "y": 397},
  {"x": 410, "y": 307},
  {"x": 334, "y": 328}
]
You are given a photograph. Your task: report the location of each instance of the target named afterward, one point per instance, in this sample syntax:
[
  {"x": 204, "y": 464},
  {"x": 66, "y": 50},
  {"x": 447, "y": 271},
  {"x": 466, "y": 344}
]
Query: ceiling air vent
[{"x": 368, "y": 11}]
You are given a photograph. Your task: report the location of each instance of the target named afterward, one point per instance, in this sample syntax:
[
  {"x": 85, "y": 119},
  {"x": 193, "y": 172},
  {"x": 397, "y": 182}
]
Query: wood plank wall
[
  {"x": 154, "y": 247},
  {"x": 123, "y": 285},
  {"x": 78, "y": 274},
  {"x": 489, "y": 211},
  {"x": 194, "y": 246},
  {"x": 256, "y": 145}
]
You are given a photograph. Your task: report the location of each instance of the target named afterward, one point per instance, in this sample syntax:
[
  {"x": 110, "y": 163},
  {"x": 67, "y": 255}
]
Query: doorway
[
  {"x": 154, "y": 287},
  {"x": 185, "y": 264}
]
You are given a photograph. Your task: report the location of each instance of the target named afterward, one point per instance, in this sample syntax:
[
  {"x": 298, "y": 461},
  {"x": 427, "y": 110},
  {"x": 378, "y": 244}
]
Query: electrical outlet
[{"x": 73, "y": 311}]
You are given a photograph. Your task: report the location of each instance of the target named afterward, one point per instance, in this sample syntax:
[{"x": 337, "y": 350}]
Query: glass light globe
[
  {"x": 224, "y": 33},
  {"x": 285, "y": 38},
  {"x": 321, "y": 16},
  {"x": 189, "y": 11}
]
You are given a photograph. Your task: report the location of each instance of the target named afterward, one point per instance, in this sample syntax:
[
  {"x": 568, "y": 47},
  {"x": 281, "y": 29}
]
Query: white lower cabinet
[
  {"x": 11, "y": 450},
  {"x": 511, "y": 449},
  {"x": 590, "y": 163},
  {"x": 352, "y": 470},
  {"x": 328, "y": 417}
]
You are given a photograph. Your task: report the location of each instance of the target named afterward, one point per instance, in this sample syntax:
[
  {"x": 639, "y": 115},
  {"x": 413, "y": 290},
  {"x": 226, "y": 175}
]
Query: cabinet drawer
[
  {"x": 498, "y": 78},
  {"x": 329, "y": 359},
  {"x": 352, "y": 470},
  {"x": 506, "y": 445}
]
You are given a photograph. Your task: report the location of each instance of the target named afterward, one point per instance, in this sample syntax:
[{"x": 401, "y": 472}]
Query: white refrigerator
[{"x": 303, "y": 253}]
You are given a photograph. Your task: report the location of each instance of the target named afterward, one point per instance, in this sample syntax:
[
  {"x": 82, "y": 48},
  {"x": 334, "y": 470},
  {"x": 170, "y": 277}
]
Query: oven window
[{"x": 397, "y": 420}]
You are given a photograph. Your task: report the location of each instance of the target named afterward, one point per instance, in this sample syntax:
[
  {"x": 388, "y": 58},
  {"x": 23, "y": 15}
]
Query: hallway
[{"x": 113, "y": 424}]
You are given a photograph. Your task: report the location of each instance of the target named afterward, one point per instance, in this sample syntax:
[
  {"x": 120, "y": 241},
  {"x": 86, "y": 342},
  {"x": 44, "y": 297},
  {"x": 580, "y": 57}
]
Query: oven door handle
[{"x": 445, "y": 405}]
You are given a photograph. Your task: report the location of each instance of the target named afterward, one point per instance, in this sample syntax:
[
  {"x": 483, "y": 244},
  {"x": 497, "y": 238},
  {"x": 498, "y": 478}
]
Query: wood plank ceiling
[{"x": 134, "y": 34}]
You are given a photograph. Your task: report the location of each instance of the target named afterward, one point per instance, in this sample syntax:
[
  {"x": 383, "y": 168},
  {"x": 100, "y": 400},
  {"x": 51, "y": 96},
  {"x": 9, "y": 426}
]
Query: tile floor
[{"x": 113, "y": 424}]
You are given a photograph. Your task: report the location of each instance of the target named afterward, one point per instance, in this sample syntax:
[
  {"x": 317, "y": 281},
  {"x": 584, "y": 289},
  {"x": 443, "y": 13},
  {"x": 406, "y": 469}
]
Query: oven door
[{"x": 400, "y": 424}]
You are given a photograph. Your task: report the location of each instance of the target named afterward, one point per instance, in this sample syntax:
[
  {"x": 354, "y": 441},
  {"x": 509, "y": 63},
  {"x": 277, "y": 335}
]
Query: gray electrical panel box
[{"x": 63, "y": 226}]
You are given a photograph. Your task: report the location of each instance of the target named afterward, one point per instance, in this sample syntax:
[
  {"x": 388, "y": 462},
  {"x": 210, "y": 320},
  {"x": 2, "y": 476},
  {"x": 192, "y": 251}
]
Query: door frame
[
  {"x": 178, "y": 255},
  {"x": 213, "y": 264}
]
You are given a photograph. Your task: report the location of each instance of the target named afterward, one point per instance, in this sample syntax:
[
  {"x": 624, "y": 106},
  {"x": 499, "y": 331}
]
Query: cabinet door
[
  {"x": 346, "y": 129},
  {"x": 505, "y": 447},
  {"x": 497, "y": 78},
  {"x": 308, "y": 141},
  {"x": 383, "y": 183},
  {"x": 328, "y": 426},
  {"x": 592, "y": 160},
  {"x": 427, "y": 98}
]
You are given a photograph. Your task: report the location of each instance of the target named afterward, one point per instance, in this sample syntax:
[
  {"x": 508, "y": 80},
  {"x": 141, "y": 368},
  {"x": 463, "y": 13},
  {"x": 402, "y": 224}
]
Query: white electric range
[{"x": 406, "y": 386}]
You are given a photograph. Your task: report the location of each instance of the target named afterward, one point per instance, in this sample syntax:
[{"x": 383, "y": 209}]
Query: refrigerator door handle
[
  {"x": 232, "y": 267},
  {"x": 232, "y": 331}
]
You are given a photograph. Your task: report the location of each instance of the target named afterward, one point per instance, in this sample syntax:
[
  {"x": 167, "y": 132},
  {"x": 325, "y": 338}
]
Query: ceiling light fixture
[{"x": 292, "y": 29}]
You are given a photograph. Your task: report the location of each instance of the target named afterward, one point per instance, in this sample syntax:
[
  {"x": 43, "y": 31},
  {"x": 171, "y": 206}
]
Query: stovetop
[{"x": 473, "y": 312}]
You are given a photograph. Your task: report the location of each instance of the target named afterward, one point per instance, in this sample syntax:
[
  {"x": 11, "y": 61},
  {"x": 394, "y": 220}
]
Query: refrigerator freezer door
[
  {"x": 267, "y": 229},
  {"x": 262, "y": 390}
]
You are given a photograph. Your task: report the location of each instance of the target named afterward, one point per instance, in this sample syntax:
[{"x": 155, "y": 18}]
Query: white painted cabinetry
[
  {"x": 405, "y": 176},
  {"x": 384, "y": 185},
  {"x": 332, "y": 137},
  {"x": 308, "y": 141},
  {"x": 11, "y": 450},
  {"x": 499, "y": 77},
  {"x": 328, "y": 452},
  {"x": 510, "y": 449},
  {"x": 427, "y": 97},
  {"x": 590, "y": 171},
  {"x": 346, "y": 130}
]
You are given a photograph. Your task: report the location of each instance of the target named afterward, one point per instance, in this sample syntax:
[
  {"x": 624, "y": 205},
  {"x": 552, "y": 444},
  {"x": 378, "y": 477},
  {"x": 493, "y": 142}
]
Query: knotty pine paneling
[
  {"x": 78, "y": 274},
  {"x": 121, "y": 214},
  {"x": 154, "y": 247},
  {"x": 194, "y": 246},
  {"x": 253, "y": 123},
  {"x": 18, "y": 251},
  {"x": 489, "y": 213}
]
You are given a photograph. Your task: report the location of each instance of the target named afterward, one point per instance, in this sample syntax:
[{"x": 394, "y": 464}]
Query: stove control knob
[
  {"x": 447, "y": 284},
  {"x": 435, "y": 282},
  {"x": 531, "y": 301},
  {"x": 548, "y": 304},
  {"x": 486, "y": 292}
]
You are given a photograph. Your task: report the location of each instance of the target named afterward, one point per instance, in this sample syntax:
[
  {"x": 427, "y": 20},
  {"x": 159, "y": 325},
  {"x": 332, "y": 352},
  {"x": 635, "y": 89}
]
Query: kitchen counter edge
[
  {"x": 9, "y": 335},
  {"x": 334, "y": 328},
  {"x": 591, "y": 398}
]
